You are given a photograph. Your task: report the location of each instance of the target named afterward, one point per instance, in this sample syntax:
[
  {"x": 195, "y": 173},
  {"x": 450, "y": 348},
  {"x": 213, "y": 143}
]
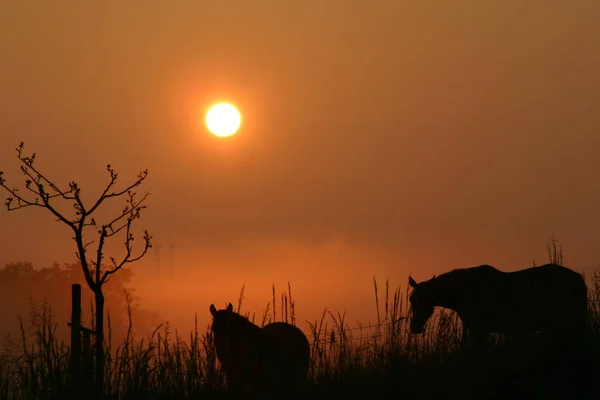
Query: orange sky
[{"x": 379, "y": 138}]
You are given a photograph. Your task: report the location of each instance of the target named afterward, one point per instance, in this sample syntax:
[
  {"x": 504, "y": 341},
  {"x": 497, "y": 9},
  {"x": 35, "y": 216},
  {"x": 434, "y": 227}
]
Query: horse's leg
[
  {"x": 478, "y": 343},
  {"x": 465, "y": 340},
  {"x": 235, "y": 387},
  {"x": 473, "y": 342},
  {"x": 239, "y": 385}
]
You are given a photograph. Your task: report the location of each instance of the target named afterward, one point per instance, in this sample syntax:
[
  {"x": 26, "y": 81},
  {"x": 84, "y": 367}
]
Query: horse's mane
[
  {"x": 242, "y": 320},
  {"x": 459, "y": 273}
]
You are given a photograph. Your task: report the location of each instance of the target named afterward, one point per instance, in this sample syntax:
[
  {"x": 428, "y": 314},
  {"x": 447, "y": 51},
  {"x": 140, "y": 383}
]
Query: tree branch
[
  {"x": 132, "y": 208},
  {"x": 34, "y": 185},
  {"x": 128, "y": 259},
  {"x": 113, "y": 179}
]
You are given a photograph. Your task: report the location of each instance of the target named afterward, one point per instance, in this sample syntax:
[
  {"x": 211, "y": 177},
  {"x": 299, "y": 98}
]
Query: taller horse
[
  {"x": 259, "y": 361},
  {"x": 549, "y": 298}
]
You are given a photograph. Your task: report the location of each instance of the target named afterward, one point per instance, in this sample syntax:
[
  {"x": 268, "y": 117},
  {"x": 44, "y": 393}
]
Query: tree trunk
[{"x": 99, "y": 345}]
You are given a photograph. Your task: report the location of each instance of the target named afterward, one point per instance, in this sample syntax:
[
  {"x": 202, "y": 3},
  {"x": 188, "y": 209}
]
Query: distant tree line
[{"x": 28, "y": 292}]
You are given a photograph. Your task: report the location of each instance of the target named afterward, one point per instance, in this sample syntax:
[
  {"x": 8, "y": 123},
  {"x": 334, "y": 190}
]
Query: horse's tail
[
  {"x": 581, "y": 308},
  {"x": 587, "y": 308}
]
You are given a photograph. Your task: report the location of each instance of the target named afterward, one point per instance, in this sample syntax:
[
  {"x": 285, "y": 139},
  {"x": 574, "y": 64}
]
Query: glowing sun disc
[{"x": 223, "y": 120}]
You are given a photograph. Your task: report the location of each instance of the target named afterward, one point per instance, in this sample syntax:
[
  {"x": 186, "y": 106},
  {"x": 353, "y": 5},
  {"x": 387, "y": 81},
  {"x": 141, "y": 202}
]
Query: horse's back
[
  {"x": 286, "y": 354},
  {"x": 556, "y": 294},
  {"x": 547, "y": 297},
  {"x": 555, "y": 284}
]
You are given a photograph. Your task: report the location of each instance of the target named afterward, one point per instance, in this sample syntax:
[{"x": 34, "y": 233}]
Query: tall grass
[{"x": 382, "y": 360}]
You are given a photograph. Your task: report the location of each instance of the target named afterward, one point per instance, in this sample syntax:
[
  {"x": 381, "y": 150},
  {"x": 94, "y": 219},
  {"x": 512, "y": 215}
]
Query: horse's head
[
  {"x": 223, "y": 320},
  {"x": 421, "y": 305}
]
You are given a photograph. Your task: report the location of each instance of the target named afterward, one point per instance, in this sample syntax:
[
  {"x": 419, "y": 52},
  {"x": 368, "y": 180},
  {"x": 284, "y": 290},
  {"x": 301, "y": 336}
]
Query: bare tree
[{"x": 42, "y": 192}]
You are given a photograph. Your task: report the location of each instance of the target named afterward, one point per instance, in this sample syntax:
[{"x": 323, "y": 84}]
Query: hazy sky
[{"x": 378, "y": 138}]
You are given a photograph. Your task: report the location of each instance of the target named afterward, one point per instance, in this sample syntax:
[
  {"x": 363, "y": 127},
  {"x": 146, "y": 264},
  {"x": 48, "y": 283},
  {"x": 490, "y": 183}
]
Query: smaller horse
[
  {"x": 258, "y": 360},
  {"x": 549, "y": 299}
]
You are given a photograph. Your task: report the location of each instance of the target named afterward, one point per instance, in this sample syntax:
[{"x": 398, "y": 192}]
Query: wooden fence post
[
  {"x": 75, "y": 361},
  {"x": 88, "y": 362}
]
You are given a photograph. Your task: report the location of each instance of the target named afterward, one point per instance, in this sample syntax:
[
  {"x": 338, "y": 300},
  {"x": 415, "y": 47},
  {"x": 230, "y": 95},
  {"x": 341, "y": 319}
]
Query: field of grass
[{"x": 382, "y": 361}]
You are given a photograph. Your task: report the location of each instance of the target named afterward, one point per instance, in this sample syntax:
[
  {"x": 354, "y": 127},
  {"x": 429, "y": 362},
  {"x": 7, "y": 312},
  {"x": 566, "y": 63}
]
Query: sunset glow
[
  {"x": 396, "y": 181},
  {"x": 223, "y": 120}
]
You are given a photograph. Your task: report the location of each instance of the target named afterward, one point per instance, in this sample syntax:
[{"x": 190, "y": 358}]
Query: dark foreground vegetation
[{"x": 382, "y": 361}]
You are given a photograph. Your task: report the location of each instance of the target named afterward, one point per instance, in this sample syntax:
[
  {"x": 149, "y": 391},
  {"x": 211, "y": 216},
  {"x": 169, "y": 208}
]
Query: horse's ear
[
  {"x": 433, "y": 277},
  {"x": 213, "y": 310},
  {"x": 412, "y": 282},
  {"x": 230, "y": 307}
]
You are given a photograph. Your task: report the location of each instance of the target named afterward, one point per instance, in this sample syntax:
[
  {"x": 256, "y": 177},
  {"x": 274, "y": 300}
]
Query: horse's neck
[
  {"x": 248, "y": 333},
  {"x": 445, "y": 297},
  {"x": 243, "y": 341}
]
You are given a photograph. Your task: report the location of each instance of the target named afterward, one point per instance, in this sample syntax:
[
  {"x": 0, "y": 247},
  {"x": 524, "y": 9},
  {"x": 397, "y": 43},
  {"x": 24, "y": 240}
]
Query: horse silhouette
[
  {"x": 550, "y": 298},
  {"x": 260, "y": 361}
]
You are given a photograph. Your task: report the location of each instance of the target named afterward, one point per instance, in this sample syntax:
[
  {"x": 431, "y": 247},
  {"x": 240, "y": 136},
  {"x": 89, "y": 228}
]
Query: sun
[{"x": 223, "y": 119}]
